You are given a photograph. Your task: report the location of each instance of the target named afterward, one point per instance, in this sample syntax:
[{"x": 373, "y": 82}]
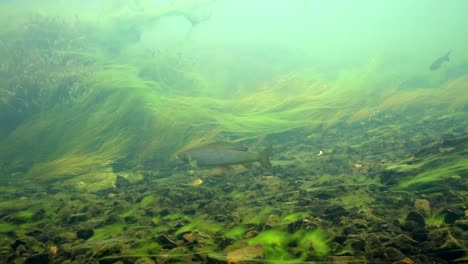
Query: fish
[
  {"x": 225, "y": 153},
  {"x": 439, "y": 61}
]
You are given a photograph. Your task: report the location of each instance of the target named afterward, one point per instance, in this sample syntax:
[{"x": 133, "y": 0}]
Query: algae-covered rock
[
  {"x": 462, "y": 223},
  {"x": 122, "y": 182},
  {"x": 245, "y": 255},
  {"x": 84, "y": 233},
  {"x": 415, "y": 224},
  {"x": 422, "y": 206}
]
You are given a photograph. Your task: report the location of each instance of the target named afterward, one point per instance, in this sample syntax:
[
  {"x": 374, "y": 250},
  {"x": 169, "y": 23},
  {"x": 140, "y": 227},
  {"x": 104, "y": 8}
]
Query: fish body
[
  {"x": 224, "y": 154},
  {"x": 439, "y": 61}
]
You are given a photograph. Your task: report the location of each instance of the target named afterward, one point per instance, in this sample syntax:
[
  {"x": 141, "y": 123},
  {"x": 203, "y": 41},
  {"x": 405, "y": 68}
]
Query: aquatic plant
[
  {"x": 313, "y": 242},
  {"x": 274, "y": 244},
  {"x": 87, "y": 115},
  {"x": 7, "y": 227},
  {"x": 291, "y": 218},
  {"x": 237, "y": 232}
]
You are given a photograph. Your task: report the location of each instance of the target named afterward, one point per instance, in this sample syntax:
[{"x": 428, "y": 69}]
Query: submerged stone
[
  {"x": 415, "y": 224},
  {"x": 335, "y": 211},
  {"x": 452, "y": 215},
  {"x": 416, "y": 218},
  {"x": 38, "y": 259},
  {"x": 166, "y": 242},
  {"x": 84, "y": 233},
  {"x": 422, "y": 206},
  {"x": 246, "y": 254},
  {"x": 462, "y": 223},
  {"x": 452, "y": 249},
  {"x": 122, "y": 182}
]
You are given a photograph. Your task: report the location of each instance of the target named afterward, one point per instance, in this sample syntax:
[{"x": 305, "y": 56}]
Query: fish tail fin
[
  {"x": 264, "y": 158},
  {"x": 447, "y": 58}
]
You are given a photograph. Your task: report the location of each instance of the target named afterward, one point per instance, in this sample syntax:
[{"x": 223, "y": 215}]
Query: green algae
[
  {"x": 291, "y": 218},
  {"x": 448, "y": 170},
  {"x": 201, "y": 225},
  {"x": 25, "y": 215},
  {"x": 128, "y": 213},
  {"x": 148, "y": 201},
  {"x": 143, "y": 249},
  {"x": 274, "y": 244},
  {"x": 15, "y": 205},
  {"x": 237, "y": 232},
  {"x": 435, "y": 220},
  {"x": 314, "y": 242},
  {"x": 108, "y": 231},
  {"x": 257, "y": 217},
  {"x": 140, "y": 117},
  {"x": 7, "y": 227}
]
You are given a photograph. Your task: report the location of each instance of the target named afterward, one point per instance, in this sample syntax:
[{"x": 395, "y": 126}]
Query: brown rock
[
  {"x": 189, "y": 237},
  {"x": 250, "y": 234},
  {"x": 422, "y": 206},
  {"x": 245, "y": 255}
]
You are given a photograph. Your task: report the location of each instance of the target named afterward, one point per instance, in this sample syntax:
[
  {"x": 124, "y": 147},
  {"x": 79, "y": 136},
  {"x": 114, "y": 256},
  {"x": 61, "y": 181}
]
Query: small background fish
[{"x": 439, "y": 61}]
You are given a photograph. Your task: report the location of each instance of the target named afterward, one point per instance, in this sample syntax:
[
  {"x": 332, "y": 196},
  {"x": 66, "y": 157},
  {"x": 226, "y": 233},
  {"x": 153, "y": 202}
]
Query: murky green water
[{"x": 364, "y": 104}]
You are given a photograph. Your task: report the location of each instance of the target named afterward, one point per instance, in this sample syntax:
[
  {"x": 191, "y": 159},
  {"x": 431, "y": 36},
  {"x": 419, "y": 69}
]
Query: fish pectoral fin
[
  {"x": 193, "y": 163},
  {"x": 247, "y": 165}
]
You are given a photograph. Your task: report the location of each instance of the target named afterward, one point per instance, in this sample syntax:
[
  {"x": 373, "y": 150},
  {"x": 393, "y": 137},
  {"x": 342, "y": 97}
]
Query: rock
[
  {"x": 26, "y": 243},
  {"x": 245, "y": 255},
  {"x": 462, "y": 223},
  {"x": 250, "y": 234},
  {"x": 415, "y": 224},
  {"x": 122, "y": 182},
  {"x": 84, "y": 233},
  {"x": 437, "y": 199},
  {"x": 393, "y": 254},
  {"x": 38, "y": 259},
  {"x": 334, "y": 212},
  {"x": 404, "y": 243},
  {"x": 416, "y": 218},
  {"x": 34, "y": 232},
  {"x": 324, "y": 196},
  {"x": 359, "y": 223},
  {"x": 356, "y": 244},
  {"x": 422, "y": 206},
  {"x": 451, "y": 249},
  {"x": 78, "y": 218},
  {"x": 452, "y": 215},
  {"x": 166, "y": 242},
  {"x": 106, "y": 250},
  {"x": 188, "y": 237}
]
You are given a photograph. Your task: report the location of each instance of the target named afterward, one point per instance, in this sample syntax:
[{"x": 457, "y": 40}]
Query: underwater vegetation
[{"x": 363, "y": 169}]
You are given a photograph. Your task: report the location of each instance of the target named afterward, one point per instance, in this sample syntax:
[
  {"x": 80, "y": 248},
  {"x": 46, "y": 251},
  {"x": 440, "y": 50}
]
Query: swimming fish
[
  {"x": 225, "y": 153},
  {"x": 439, "y": 61}
]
